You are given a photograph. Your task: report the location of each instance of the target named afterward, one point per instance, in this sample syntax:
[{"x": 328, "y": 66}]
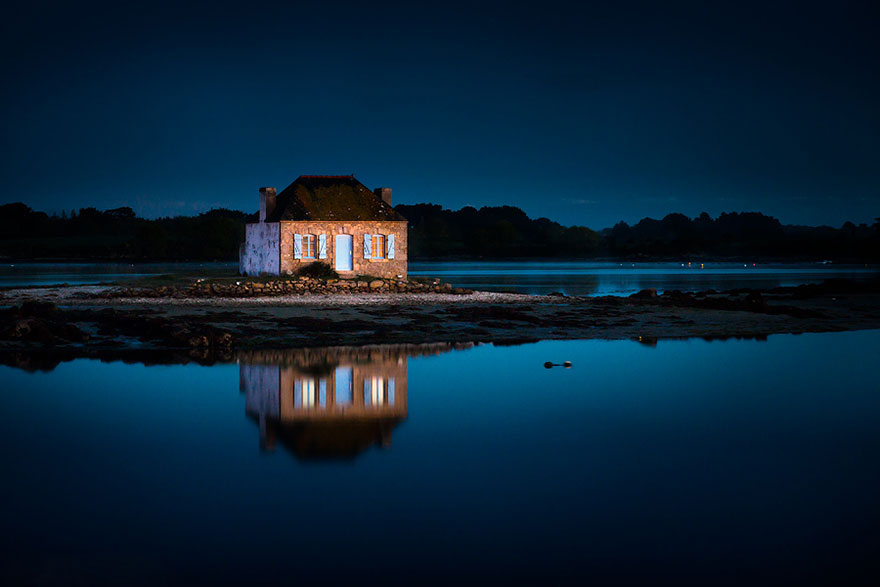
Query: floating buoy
[{"x": 565, "y": 364}]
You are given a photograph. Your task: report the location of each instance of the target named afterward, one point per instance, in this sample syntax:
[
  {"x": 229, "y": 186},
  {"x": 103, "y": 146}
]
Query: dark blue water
[
  {"x": 692, "y": 462},
  {"x": 26, "y": 274},
  {"x": 611, "y": 278},
  {"x": 530, "y": 277}
]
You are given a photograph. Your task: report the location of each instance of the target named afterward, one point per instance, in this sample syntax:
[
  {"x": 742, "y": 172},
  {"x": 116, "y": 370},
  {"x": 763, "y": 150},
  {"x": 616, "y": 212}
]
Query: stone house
[
  {"x": 330, "y": 218},
  {"x": 325, "y": 402}
]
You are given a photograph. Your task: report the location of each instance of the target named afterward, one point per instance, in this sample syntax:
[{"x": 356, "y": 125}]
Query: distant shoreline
[{"x": 463, "y": 259}]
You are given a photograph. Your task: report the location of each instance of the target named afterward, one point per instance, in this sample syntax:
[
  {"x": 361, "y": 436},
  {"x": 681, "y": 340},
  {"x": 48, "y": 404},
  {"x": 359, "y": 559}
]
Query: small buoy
[{"x": 549, "y": 365}]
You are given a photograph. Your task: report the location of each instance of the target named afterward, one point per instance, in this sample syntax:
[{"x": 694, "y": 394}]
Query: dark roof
[
  {"x": 330, "y": 197},
  {"x": 322, "y": 440}
]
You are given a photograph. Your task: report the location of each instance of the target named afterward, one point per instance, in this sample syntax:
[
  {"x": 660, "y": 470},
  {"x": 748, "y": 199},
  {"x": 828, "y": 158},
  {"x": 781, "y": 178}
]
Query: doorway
[{"x": 344, "y": 251}]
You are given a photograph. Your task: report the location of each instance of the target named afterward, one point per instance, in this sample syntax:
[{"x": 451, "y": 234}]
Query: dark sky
[{"x": 587, "y": 113}]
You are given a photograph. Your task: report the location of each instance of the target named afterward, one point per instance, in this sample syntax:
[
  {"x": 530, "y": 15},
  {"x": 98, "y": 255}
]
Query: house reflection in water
[{"x": 328, "y": 402}]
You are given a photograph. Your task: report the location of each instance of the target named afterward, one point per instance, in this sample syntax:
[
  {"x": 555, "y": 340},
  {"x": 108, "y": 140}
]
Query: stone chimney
[
  {"x": 384, "y": 194},
  {"x": 267, "y": 203}
]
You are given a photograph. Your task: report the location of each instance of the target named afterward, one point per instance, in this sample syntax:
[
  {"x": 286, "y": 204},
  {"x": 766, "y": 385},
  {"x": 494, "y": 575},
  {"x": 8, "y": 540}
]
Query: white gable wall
[{"x": 261, "y": 251}]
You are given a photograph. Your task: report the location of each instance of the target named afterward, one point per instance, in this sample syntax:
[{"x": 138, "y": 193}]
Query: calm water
[
  {"x": 531, "y": 277},
  {"x": 692, "y": 462},
  {"x": 590, "y": 278},
  {"x": 19, "y": 274}
]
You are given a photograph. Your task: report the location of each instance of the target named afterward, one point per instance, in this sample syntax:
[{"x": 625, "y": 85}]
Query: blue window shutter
[
  {"x": 322, "y": 392},
  {"x": 297, "y": 394},
  {"x": 391, "y": 391},
  {"x": 390, "y": 246},
  {"x": 367, "y": 243},
  {"x": 366, "y": 392},
  {"x": 322, "y": 246},
  {"x": 297, "y": 246}
]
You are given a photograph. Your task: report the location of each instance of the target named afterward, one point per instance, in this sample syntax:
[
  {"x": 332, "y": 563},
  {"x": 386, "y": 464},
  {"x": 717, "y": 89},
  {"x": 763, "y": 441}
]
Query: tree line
[
  {"x": 118, "y": 234},
  {"x": 435, "y": 232},
  {"x": 508, "y": 232}
]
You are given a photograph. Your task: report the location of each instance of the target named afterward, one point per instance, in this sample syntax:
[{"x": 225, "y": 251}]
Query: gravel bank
[{"x": 81, "y": 296}]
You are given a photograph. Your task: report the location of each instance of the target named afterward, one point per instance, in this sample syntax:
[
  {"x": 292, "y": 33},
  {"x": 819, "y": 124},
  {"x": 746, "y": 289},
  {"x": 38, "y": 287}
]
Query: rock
[
  {"x": 377, "y": 284},
  {"x": 37, "y": 308},
  {"x": 645, "y": 294},
  {"x": 43, "y": 330}
]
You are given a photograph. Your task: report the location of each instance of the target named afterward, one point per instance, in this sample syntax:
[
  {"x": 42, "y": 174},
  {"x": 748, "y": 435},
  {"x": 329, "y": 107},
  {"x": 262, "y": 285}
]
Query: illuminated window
[
  {"x": 378, "y": 391},
  {"x": 378, "y": 247},
  {"x": 308, "y": 393},
  {"x": 308, "y": 246}
]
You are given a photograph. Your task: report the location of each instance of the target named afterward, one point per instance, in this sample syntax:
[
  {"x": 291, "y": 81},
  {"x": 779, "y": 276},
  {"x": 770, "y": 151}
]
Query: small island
[{"x": 210, "y": 319}]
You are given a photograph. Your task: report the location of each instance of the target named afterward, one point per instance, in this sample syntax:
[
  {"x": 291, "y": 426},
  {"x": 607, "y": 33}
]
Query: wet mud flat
[{"x": 73, "y": 322}]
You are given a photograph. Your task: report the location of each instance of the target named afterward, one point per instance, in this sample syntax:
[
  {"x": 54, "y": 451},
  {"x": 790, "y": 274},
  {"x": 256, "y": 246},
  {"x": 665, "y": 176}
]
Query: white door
[
  {"x": 344, "y": 388},
  {"x": 343, "y": 252}
]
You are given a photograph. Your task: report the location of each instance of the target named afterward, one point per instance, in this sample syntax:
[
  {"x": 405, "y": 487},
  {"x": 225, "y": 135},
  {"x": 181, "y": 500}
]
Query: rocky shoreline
[
  {"x": 281, "y": 287},
  {"x": 92, "y": 321}
]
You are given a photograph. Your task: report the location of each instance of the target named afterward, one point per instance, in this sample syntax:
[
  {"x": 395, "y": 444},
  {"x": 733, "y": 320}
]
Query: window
[
  {"x": 308, "y": 246},
  {"x": 306, "y": 394},
  {"x": 378, "y": 391},
  {"x": 378, "y": 246}
]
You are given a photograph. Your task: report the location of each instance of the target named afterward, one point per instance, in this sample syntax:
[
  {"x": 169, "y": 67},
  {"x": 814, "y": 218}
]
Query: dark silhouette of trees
[
  {"x": 738, "y": 234},
  {"x": 89, "y": 233},
  {"x": 502, "y": 231},
  {"x": 489, "y": 232}
]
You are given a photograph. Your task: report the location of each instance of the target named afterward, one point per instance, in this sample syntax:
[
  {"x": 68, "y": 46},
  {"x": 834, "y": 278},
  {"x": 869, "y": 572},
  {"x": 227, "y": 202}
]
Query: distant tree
[
  {"x": 495, "y": 231},
  {"x": 123, "y": 213},
  {"x": 151, "y": 241}
]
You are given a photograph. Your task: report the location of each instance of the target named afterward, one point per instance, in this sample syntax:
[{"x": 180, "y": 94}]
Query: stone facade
[
  {"x": 390, "y": 268},
  {"x": 325, "y": 402},
  {"x": 325, "y": 207}
]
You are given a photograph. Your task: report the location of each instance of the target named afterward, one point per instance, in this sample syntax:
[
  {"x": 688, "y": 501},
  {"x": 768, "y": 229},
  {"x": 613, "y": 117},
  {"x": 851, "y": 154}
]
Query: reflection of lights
[
  {"x": 308, "y": 392},
  {"x": 701, "y": 265},
  {"x": 328, "y": 403}
]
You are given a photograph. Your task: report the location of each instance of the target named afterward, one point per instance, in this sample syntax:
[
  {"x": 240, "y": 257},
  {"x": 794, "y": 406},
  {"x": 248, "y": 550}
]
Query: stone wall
[
  {"x": 260, "y": 251},
  {"x": 270, "y": 389},
  {"x": 281, "y": 287},
  {"x": 391, "y": 400},
  {"x": 389, "y": 268}
]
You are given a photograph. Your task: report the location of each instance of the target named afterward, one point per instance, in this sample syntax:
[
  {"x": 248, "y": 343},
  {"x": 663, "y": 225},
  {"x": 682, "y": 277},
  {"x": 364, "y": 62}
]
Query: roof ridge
[{"x": 331, "y": 197}]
